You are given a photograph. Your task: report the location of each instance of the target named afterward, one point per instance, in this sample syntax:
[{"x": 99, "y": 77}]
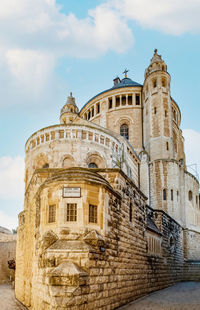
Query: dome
[{"x": 126, "y": 82}]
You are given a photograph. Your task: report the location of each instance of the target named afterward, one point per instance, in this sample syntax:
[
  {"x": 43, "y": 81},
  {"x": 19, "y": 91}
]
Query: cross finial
[
  {"x": 125, "y": 73},
  {"x": 155, "y": 51},
  {"x": 70, "y": 93}
]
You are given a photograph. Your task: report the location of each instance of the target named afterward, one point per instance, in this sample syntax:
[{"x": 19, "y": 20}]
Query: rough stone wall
[
  {"x": 191, "y": 245},
  {"x": 7, "y": 252},
  {"x": 98, "y": 266}
]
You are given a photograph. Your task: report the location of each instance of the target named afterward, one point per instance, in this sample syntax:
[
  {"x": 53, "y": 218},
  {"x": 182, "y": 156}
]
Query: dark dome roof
[{"x": 126, "y": 82}]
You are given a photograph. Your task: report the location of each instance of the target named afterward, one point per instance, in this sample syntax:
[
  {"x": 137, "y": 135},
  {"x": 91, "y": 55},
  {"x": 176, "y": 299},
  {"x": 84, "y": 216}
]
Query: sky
[{"x": 49, "y": 48}]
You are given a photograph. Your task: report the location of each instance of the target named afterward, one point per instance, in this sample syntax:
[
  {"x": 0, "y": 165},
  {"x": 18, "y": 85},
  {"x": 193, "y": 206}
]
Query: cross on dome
[{"x": 125, "y": 73}]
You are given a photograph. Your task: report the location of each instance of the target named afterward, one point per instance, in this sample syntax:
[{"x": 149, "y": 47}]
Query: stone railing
[{"x": 64, "y": 132}]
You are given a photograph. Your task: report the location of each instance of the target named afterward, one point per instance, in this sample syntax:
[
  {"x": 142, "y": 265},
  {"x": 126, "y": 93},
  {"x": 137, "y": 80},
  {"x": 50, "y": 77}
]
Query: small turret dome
[
  {"x": 69, "y": 109},
  {"x": 156, "y": 64}
]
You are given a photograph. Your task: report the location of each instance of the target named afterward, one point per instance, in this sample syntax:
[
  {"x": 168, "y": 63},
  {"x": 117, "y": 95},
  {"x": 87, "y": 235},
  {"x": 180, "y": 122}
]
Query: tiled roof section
[
  {"x": 126, "y": 82},
  {"x": 152, "y": 226}
]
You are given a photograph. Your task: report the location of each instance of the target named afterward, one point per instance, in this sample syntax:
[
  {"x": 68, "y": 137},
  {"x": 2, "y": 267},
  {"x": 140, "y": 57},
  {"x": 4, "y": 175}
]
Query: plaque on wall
[{"x": 70, "y": 192}]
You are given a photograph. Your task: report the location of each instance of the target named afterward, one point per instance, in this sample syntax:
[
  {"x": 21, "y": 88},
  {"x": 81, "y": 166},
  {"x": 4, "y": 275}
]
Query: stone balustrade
[{"x": 63, "y": 132}]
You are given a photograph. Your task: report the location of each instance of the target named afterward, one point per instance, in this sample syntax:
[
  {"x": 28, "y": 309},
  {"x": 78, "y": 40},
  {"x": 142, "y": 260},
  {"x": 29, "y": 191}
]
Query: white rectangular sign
[{"x": 71, "y": 192}]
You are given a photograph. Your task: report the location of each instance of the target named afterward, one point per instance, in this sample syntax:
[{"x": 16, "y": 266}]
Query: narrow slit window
[
  {"x": 92, "y": 214},
  {"x": 131, "y": 213},
  {"x": 98, "y": 108},
  {"x": 164, "y": 194},
  {"x": 172, "y": 195},
  {"x": 155, "y": 110},
  {"x": 167, "y": 146},
  {"x": 71, "y": 212}
]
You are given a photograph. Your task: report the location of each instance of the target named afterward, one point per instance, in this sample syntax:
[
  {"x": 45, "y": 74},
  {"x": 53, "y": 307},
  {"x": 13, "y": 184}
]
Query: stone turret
[
  {"x": 156, "y": 64},
  {"x": 158, "y": 141},
  {"x": 69, "y": 111}
]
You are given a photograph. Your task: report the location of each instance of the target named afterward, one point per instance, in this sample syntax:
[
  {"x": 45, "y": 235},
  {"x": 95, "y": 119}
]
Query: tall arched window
[{"x": 124, "y": 131}]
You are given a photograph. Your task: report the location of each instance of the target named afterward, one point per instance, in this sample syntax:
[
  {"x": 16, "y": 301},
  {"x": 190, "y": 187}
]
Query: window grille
[
  {"x": 52, "y": 213},
  {"x": 124, "y": 131},
  {"x": 71, "y": 212},
  {"x": 92, "y": 214}
]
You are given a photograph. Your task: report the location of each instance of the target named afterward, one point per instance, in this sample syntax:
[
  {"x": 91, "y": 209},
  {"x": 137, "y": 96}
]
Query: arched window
[
  {"x": 124, "y": 132},
  {"x": 164, "y": 83},
  {"x": 172, "y": 194},
  {"x": 190, "y": 195},
  {"x": 164, "y": 194},
  {"x": 92, "y": 165}
]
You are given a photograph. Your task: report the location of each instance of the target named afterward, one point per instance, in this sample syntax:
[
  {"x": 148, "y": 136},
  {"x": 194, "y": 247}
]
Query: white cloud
[
  {"x": 31, "y": 68},
  {"x": 11, "y": 190},
  {"x": 192, "y": 149},
  {"x": 10, "y": 222},
  {"x": 173, "y": 16},
  {"x": 11, "y": 177},
  {"x": 35, "y": 34}
]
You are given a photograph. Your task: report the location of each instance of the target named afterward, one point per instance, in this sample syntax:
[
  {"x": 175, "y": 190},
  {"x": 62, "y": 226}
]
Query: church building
[{"x": 110, "y": 211}]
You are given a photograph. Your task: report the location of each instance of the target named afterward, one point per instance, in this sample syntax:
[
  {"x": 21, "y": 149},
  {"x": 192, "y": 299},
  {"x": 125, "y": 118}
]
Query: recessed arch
[
  {"x": 94, "y": 158},
  {"x": 68, "y": 161},
  {"x": 40, "y": 161}
]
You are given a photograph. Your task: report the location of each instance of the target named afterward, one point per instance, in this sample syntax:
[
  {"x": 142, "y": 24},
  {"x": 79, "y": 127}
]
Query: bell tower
[{"x": 157, "y": 114}]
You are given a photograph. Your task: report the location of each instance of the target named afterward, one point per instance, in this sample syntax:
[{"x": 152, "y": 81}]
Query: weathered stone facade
[
  {"x": 110, "y": 211},
  {"x": 7, "y": 252}
]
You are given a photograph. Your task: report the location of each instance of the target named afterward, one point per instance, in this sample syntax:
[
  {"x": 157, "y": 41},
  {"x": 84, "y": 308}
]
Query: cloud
[
  {"x": 173, "y": 16},
  {"x": 31, "y": 68},
  {"x": 11, "y": 177},
  {"x": 10, "y": 222},
  {"x": 192, "y": 150},
  {"x": 11, "y": 190},
  {"x": 34, "y": 35}
]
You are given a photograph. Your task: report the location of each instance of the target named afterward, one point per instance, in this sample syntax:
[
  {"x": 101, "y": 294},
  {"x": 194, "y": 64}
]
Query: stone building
[
  {"x": 110, "y": 211},
  {"x": 7, "y": 252}
]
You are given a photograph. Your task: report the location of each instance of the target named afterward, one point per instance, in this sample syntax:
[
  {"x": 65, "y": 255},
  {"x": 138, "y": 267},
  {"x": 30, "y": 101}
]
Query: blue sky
[{"x": 49, "y": 48}]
